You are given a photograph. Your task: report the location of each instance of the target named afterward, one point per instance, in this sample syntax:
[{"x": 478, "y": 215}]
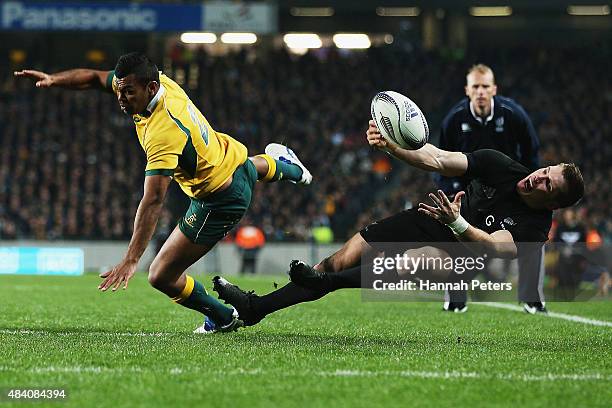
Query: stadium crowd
[{"x": 71, "y": 166}]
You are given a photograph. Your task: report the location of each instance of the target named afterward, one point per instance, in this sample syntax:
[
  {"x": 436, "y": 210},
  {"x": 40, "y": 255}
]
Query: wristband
[{"x": 459, "y": 225}]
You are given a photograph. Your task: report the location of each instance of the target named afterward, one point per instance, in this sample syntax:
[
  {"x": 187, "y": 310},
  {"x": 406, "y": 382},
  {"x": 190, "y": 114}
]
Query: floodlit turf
[{"x": 135, "y": 348}]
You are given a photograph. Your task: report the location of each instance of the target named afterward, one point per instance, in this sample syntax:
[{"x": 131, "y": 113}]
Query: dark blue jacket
[{"x": 509, "y": 131}]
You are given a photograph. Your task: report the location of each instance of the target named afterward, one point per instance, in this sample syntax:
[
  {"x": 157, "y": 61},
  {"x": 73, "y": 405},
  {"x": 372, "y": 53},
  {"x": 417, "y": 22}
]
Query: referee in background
[{"x": 485, "y": 120}]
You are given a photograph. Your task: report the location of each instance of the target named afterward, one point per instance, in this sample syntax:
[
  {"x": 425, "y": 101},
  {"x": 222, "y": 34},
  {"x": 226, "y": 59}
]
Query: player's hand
[
  {"x": 120, "y": 274},
  {"x": 374, "y": 137},
  {"x": 444, "y": 211},
  {"x": 43, "y": 80}
]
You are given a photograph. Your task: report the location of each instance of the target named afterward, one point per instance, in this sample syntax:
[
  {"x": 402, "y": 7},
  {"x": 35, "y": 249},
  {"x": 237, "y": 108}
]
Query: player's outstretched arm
[
  {"x": 150, "y": 207},
  {"x": 499, "y": 243},
  {"x": 80, "y": 78},
  {"x": 428, "y": 157}
]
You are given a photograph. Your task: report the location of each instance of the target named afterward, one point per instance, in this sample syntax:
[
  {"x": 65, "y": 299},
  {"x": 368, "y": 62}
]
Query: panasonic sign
[{"x": 17, "y": 15}]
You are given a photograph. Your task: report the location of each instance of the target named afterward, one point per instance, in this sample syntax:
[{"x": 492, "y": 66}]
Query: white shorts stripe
[{"x": 203, "y": 223}]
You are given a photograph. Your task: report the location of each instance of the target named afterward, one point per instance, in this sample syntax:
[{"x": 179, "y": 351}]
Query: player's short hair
[
  {"x": 481, "y": 69},
  {"x": 138, "y": 64},
  {"x": 574, "y": 186}
]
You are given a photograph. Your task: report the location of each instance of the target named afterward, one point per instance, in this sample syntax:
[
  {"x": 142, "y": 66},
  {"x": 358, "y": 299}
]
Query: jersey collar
[
  {"x": 488, "y": 118},
  {"x": 160, "y": 92}
]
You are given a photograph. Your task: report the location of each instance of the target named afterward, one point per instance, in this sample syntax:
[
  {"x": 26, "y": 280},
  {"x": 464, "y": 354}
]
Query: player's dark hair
[
  {"x": 574, "y": 189},
  {"x": 138, "y": 64}
]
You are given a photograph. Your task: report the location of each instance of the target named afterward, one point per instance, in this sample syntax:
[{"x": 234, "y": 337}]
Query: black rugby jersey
[
  {"x": 492, "y": 203},
  {"x": 508, "y": 129}
]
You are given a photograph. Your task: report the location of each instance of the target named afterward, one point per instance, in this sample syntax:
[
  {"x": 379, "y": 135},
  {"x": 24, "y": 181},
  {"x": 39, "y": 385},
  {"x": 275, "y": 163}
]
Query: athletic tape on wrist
[{"x": 459, "y": 225}]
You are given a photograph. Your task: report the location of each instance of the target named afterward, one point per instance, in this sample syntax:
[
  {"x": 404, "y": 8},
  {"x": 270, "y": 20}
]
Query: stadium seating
[{"x": 71, "y": 166}]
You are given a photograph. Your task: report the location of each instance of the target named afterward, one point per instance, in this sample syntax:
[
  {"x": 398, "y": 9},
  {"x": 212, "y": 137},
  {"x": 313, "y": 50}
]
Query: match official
[{"x": 485, "y": 120}]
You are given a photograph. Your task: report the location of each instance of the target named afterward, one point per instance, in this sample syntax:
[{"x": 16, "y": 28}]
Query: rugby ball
[{"x": 400, "y": 120}]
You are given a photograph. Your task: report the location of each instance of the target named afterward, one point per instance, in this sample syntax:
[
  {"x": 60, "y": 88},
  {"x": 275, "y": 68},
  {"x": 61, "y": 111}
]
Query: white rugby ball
[{"x": 400, "y": 120}]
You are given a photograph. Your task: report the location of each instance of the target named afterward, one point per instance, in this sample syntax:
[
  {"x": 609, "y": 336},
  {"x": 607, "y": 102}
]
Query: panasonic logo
[{"x": 17, "y": 15}]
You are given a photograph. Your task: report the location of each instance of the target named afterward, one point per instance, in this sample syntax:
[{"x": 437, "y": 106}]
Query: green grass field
[{"x": 135, "y": 348}]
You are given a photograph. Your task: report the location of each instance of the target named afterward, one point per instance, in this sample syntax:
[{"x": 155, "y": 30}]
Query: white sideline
[
  {"x": 507, "y": 306},
  {"x": 571, "y": 318},
  {"x": 87, "y": 333},
  {"x": 443, "y": 375},
  {"x": 464, "y": 374}
]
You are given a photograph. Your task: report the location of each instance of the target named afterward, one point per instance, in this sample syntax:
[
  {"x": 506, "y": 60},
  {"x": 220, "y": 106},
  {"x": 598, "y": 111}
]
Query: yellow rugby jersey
[{"x": 179, "y": 141}]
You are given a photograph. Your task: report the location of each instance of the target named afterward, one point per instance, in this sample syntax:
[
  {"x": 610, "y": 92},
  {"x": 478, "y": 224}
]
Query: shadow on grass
[
  {"x": 364, "y": 342},
  {"x": 244, "y": 337},
  {"x": 307, "y": 339},
  {"x": 433, "y": 340}
]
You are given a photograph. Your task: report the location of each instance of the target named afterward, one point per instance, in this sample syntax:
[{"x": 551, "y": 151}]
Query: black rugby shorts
[{"x": 410, "y": 227}]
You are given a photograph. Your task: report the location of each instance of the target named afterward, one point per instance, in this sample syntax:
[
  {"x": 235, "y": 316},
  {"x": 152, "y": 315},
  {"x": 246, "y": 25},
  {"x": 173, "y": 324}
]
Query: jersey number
[{"x": 198, "y": 122}]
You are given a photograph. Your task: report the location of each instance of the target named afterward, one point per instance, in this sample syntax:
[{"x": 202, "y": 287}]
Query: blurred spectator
[
  {"x": 570, "y": 229},
  {"x": 249, "y": 240},
  {"x": 569, "y": 236},
  {"x": 321, "y": 231}
]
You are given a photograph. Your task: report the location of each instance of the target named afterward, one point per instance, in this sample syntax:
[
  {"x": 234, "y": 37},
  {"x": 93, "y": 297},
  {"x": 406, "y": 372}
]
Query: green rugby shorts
[{"x": 209, "y": 219}]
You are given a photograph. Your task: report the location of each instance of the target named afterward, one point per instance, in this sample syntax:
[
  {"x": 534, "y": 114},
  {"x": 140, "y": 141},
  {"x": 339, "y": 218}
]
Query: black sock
[
  {"x": 348, "y": 278},
  {"x": 353, "y": 278},
  {"x": 292, "y": 294},
  {"x": 289, "y": 295}
]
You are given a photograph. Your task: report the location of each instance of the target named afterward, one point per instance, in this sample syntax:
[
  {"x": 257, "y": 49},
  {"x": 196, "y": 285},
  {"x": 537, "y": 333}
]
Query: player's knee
[
  {"x": 154, "y": 280},
  {"x": 261, "y": 165},
  {"x": 156, "y": 276}
]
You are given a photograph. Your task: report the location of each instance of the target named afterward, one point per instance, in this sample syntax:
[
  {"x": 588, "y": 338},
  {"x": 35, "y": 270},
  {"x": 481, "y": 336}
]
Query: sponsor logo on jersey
[
  {"x": 506, "y": 222},
  {"x": 198, "y": 122},
  {"x": 465, "y": 127},
  {"x": 509, "y": 221},
  {"x": 499, "y": 124}
]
